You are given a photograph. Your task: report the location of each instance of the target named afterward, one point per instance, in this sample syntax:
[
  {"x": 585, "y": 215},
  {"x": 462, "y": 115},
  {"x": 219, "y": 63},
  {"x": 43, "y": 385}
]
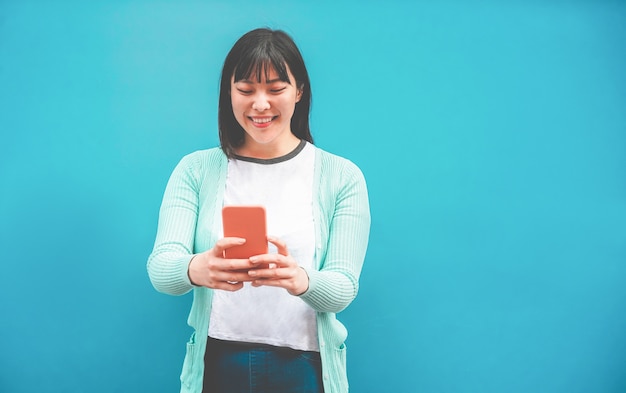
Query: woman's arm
[
  {"x": 333, "y": 288},
  {"x": 173, "y": 247}
]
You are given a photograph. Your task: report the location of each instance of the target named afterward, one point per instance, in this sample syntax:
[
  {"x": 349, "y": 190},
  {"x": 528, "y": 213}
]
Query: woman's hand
[
  {"x": 278, "y": 270},
  {"x": 210, "y": 269}
]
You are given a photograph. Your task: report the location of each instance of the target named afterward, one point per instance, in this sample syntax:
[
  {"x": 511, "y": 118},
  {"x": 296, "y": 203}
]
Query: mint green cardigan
[{"x": 189, "y": 223}]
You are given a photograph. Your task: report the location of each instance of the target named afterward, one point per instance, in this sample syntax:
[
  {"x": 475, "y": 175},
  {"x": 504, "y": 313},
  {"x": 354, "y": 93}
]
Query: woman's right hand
[{"x": 210, "y": 269}]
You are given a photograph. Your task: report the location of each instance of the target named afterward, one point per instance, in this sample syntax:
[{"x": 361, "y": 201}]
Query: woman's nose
[{"x": 260, "y": 103}]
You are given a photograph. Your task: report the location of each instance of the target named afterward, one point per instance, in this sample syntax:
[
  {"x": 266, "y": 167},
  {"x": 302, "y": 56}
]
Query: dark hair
[{"x": 256, "y": 53}]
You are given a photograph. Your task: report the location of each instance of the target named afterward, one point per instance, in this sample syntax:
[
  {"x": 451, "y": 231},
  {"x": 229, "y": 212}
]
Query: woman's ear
[{"x": 299, "y": 92}]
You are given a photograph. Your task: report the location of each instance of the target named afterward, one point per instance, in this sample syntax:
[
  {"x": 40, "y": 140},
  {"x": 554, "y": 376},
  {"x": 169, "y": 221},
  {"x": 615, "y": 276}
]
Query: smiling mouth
[{"x": 262, "y": 120}]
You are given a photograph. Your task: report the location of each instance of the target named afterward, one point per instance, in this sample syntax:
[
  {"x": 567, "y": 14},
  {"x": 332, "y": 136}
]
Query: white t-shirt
[{"x": 270, "y": 315}]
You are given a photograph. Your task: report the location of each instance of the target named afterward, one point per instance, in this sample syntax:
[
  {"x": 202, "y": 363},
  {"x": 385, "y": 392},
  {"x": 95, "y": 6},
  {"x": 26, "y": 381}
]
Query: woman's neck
[{"x": 252, "y": 149}]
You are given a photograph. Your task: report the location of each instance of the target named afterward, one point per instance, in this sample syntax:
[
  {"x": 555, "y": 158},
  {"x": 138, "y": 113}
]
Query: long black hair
[{"x": 255, "y": 54}]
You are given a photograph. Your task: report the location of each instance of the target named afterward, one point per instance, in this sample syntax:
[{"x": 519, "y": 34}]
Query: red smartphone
[{"x": 249, "y": 223}]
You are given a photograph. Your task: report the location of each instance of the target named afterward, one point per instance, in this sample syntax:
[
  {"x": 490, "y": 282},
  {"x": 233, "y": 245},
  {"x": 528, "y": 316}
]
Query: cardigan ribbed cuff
[
  {"x": 171, "y": 275},
  {"x": 329, "y": 291}
]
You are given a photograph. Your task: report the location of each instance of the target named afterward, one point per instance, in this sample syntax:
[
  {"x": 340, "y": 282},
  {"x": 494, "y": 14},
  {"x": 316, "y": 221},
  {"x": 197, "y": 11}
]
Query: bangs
[{"x": 260, "y": 62}]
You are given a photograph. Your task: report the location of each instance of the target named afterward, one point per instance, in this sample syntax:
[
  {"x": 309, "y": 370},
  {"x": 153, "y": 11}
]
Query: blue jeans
[{"x": 234, "y": 367}]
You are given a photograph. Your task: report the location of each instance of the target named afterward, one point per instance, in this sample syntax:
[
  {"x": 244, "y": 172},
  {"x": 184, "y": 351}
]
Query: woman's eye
[
  {"x": 243, "y": 91},
  {"x": 277, "y": 90}
]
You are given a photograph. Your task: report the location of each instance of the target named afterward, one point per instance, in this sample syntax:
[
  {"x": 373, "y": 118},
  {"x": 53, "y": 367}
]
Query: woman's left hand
[{"x": 279, "y": 270}]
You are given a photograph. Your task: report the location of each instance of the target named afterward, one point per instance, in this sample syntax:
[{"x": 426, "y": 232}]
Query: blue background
[{"x": 492, "y": 136}]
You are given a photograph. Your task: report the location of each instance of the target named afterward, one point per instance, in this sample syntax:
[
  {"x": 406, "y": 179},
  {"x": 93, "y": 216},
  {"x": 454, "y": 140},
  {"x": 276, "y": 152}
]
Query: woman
[{"x": 268, "y": 322}]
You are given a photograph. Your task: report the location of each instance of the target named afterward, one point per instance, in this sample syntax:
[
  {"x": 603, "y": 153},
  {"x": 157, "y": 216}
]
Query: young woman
[{"x": 267, "y": 323}]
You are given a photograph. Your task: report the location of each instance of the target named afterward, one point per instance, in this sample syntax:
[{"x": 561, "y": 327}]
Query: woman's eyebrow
[
  {"x": 251, "y": 82},
  {"x": 276, "y": 80}
]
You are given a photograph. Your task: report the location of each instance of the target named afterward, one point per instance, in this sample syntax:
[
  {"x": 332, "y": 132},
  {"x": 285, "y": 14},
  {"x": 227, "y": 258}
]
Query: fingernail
[{"x": 252, "y": 273}]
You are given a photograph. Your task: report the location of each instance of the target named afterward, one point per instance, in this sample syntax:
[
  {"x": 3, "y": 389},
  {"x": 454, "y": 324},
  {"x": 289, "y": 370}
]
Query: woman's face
[{"x": 264, "y": 110}]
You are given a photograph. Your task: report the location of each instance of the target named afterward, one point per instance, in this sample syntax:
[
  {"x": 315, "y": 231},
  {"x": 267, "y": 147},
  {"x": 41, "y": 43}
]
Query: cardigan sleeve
[
  {"x": 173, "y": 248},
  {"x": 335, "y": 285}
]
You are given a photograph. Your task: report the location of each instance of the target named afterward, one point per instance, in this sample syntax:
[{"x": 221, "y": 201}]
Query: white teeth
[{"x": 263, "y": 120}]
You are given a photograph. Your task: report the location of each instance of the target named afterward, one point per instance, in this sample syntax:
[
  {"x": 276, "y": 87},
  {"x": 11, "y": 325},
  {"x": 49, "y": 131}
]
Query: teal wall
[{"x": 492, "y": 136}]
